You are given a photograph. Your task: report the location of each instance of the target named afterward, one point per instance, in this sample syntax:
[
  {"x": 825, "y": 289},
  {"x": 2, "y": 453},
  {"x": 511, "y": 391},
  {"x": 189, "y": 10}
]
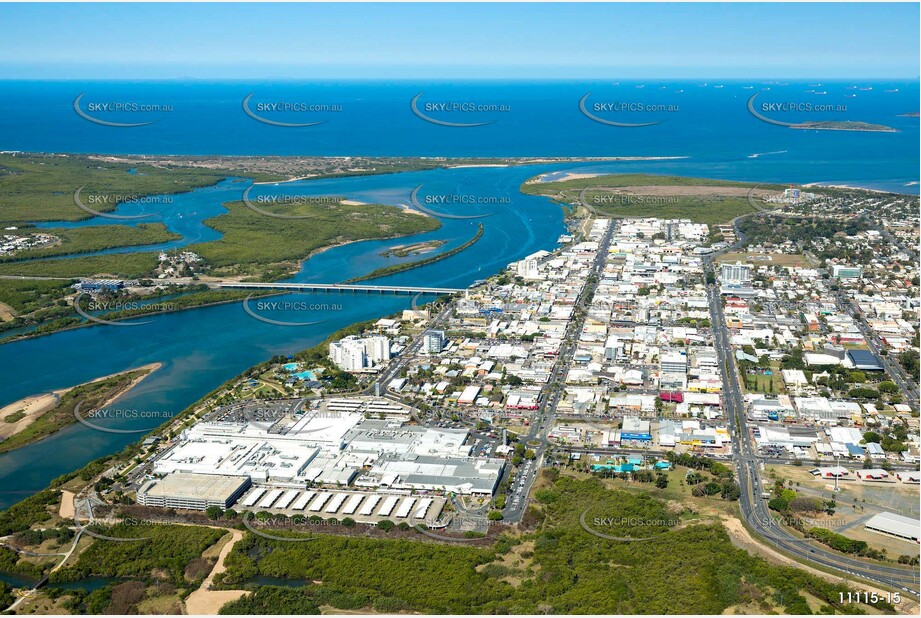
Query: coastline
[{"x": 821, "y": 185}]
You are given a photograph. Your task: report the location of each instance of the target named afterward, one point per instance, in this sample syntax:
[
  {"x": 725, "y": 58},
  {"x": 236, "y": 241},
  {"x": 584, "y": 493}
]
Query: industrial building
[
  {"x": 191, "y": 491},
  {"x": 894, "y": 525},
  {"x": 335, "y": 443}
]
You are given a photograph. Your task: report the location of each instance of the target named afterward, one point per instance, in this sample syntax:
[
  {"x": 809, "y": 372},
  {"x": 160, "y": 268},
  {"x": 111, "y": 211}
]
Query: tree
[
  {"x": 214, "y": 512},
  {"x": 385, "y": 524},
  {"x": 494, "y": 516},
  {"x": 888, "y": 387},
  {"x": 530, "y": 454}
]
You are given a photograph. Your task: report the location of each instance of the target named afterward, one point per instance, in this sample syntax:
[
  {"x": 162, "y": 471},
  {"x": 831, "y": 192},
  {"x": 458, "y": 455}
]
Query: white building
[
  {"x": 433, "y": 342},
  {"x": 736, "y": 274},
  {"x": 355, "y": 353}
]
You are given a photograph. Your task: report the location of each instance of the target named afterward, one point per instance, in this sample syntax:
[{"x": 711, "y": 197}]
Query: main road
[{"x": 546, "y": 412}]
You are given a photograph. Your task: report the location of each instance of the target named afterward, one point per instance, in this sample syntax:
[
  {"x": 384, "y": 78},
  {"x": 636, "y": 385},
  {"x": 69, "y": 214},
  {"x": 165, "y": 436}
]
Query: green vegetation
[
  {"x": 123, "y": 266},
  {"x": 166, "y": 553},
  {"x": 11, "y": 563},
  {"x": 773, "y": 229},
  {"x": 909, "y": 361},
  {"x": 37, "y": 187},
  {"x": 838, "y": 542},
  {"x": 14, "y": 417},
  {"x": 397, "y": 268},
  {"x": 250, "y": 238},
  {"x": 692, "y": 569},
  {"x": 92, "y": 395},
  {"x": 688, "y": 199},
  {"x": 272, "y": 600},
  {"x": 96, "y": 238},
  {"x": 28, "y": 295},
  {"x": 6, "y": 595},
  {"x": 26, "y": 513},
  {"x": 844, "y": 125}
]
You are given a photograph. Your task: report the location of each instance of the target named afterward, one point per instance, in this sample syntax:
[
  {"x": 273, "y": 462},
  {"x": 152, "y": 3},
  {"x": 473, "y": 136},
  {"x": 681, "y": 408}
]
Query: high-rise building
[
  {"x": 377, "y": 348},
  {"x": 354, "y": 353},
  {"x": 433, "y": 341},
  {"x": 348, "y": 354},
  {"x": 736, "y": 274}
]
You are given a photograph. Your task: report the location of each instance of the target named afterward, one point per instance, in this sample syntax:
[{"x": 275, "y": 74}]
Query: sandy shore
[
  {"x": 567, "y": 176},
  {"x": 35, "y": 406},
  {"x": 281, "y": 182},
  {"x": 820, "y": 185}
]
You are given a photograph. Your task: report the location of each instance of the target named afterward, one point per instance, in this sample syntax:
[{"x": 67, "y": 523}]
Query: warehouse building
[
  {"x": 195, "y": 492},
  {"x": 894, "y": 525}
]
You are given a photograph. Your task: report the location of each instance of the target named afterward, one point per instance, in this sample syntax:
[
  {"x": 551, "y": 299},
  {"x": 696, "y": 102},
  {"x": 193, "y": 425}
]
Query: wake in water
[{"x": 763, "y": 154}]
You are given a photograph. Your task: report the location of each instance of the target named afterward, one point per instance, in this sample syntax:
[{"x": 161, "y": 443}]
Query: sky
[{"x": 420, "y": 40}]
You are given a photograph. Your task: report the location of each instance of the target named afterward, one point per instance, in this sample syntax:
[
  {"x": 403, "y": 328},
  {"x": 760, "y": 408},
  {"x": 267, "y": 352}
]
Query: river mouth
[{"x": 201, "y": 348}]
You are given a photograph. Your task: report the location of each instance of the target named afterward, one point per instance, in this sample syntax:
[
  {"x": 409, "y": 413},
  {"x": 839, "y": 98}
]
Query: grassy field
[
  {"x": 766, "y": 259},
  {"x": 771, "y": 385},
  {"x": 35, "y": 187},
  {"x": 96, "y": 238},
  {"x": 702, "y": 200},
  {"x": 251, "y": 238}
]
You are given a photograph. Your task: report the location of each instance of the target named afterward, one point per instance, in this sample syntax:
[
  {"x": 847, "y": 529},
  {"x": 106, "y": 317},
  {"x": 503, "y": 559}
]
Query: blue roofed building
[{"x": 864, "y": 360}]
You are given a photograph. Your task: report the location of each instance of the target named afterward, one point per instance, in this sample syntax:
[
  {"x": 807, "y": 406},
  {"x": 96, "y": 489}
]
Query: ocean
[{"x": 704, "y": 120}]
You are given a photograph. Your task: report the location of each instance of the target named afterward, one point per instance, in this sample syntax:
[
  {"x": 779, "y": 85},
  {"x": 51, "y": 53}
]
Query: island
[{"x": 844, "y": 125}]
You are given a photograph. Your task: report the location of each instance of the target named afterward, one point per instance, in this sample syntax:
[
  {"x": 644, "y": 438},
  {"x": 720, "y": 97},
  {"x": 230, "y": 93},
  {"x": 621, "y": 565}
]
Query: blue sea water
[{"x": 707, "y": 121}]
